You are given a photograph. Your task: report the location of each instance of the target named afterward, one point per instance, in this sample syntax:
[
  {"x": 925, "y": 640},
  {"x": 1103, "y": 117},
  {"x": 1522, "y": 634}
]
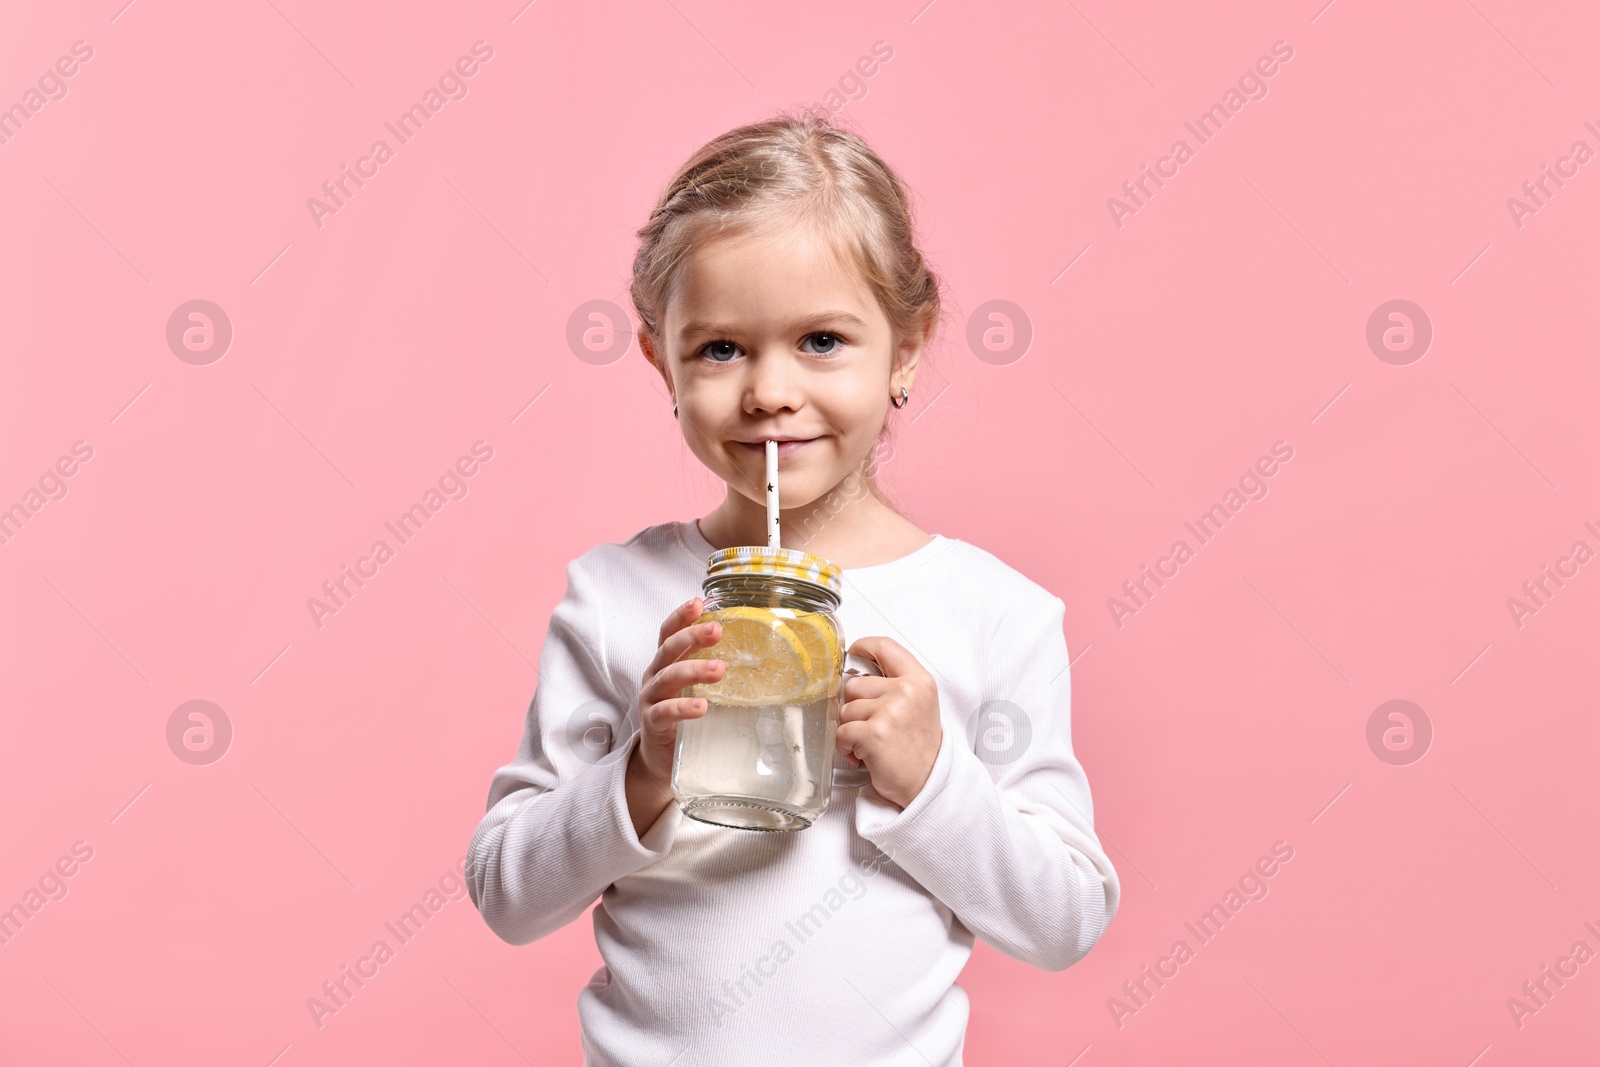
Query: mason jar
[{"x": 761, "y": 757}]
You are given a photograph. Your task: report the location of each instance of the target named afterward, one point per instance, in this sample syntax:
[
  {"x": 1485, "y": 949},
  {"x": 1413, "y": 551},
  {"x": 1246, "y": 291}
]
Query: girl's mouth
[{"x": 785, "y": 448}]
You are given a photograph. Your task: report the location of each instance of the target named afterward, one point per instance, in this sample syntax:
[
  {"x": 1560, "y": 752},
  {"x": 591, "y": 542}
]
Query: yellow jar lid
[{"x": 787, "y": 562}]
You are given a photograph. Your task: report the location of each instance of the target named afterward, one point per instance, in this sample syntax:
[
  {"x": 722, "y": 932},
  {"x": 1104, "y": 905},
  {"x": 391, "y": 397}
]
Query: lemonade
[{"x": 758, "y": 767}]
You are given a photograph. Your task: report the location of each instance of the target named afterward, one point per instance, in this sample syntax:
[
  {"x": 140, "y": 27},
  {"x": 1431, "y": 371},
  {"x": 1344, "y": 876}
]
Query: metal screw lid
[{"x": 790, "y": 563}]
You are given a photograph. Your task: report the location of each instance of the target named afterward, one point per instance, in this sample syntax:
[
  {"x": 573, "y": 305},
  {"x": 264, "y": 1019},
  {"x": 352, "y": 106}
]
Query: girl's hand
[
  {"x": 891, "y": 723},
  {"x": 661, "y": 700}
]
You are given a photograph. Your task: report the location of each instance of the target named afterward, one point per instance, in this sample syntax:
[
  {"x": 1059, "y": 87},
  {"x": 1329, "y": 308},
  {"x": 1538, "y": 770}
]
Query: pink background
[{"x": 1230, "y": 312}]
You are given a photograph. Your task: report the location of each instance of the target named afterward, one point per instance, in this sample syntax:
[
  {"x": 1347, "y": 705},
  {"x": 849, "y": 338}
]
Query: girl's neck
[{"x": 848, "y": 529}]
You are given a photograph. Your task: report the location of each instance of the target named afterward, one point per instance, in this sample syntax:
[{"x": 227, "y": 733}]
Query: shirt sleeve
[
  {"x": 557, "y": 830},
  {"x": 1003, "y": 833}
]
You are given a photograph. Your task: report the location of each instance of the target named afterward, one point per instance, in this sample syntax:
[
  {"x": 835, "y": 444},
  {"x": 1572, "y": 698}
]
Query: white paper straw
[
  {"x": 801, "y": 786},
  {"x": 772, "y": 494}
]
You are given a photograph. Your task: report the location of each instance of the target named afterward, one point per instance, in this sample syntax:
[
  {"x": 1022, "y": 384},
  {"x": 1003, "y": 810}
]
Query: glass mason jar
[{"x": 761, "y": 757}]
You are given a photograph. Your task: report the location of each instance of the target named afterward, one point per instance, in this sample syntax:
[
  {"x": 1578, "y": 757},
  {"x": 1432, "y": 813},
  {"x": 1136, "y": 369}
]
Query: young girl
[{"x": 781, "y": 296}]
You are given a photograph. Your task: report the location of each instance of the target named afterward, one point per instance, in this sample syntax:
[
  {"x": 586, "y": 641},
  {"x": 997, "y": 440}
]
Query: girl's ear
[
  {"x": 907, "y": 354},
  {"x": 655, "y": 359},
  {"x": 647, "y": 348}
]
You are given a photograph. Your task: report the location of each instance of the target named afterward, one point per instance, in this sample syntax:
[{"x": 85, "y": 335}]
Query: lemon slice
[
  {"x": 821, "y": 643},
  {"x": 768, "y": 660}
]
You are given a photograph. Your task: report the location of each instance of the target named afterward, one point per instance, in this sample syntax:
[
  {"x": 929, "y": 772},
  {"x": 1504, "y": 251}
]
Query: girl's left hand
[{"x": 891, "y": 723}]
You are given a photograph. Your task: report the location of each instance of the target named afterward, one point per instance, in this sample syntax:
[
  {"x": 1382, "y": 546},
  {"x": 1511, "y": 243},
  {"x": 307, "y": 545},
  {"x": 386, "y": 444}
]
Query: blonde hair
[{"x": 786, "y": 169}]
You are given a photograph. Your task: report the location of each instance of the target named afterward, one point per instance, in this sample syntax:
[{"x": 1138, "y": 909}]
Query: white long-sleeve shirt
[{"x": 837, "y": 944}]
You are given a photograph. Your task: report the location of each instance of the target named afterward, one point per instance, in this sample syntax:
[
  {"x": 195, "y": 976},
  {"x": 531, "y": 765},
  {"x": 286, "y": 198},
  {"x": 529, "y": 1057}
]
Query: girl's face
[{"x": 778, "y": 337}]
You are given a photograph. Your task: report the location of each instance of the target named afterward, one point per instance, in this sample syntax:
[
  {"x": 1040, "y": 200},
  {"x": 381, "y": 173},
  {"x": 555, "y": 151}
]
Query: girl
[{"x": 781, "y": 296}]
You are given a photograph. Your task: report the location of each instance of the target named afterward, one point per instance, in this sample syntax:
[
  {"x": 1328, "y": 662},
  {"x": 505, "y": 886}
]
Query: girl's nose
[{"x": 773, "y": 384}]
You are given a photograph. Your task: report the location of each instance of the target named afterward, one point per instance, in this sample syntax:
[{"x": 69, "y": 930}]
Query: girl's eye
[
  {"x": 716, "y": 351},
  {"x": 833, "y": 343}
]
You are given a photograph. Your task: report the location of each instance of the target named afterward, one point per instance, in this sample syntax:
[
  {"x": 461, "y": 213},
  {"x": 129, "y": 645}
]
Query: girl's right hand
[{"x": 661, "y": 703}]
